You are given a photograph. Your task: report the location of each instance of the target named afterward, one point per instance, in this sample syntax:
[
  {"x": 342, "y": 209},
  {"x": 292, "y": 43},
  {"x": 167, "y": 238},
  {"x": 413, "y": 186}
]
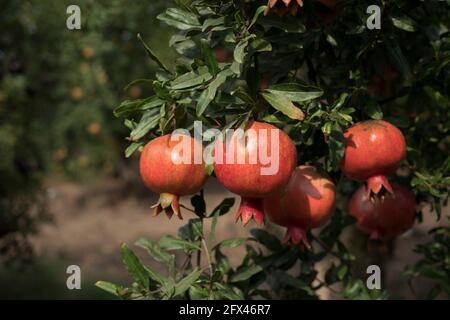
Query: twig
[{"x": 208, "y": 257}]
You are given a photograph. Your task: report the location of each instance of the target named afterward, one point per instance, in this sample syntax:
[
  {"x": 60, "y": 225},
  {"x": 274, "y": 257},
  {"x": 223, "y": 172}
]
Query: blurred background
[{"x": 67, "y": 193}]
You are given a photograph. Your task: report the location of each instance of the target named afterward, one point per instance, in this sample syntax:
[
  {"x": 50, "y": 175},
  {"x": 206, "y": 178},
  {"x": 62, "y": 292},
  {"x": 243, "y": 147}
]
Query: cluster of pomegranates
[{"x": 298, "y": 198}]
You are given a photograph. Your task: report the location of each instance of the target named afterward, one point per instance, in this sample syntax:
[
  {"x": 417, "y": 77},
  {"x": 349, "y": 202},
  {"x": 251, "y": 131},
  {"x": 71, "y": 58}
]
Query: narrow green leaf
[
  {"x": 283, "y": 105},
  {"x": 296, "y": 92},
  {"x": 210, "y": 59},
  {"x": 134, "y": 266},
  {"x": 246, "y": 273},
  {"x": 185, "y": 283},
  {"x": 152, "y": 55}
]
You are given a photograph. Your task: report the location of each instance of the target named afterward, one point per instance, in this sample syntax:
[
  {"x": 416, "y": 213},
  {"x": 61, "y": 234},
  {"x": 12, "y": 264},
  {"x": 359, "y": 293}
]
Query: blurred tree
[{"x": 57, "y": 90}]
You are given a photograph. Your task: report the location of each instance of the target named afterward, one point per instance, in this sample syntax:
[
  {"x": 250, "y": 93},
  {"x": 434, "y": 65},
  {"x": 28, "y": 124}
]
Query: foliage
[{"x": 321, "y": 76}]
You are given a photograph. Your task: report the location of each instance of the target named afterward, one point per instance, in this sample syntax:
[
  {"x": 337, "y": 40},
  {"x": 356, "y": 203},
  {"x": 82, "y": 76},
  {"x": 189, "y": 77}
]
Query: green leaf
[
  {"x": 198, "y": 202},
  {"x": 169, "y": 242},
  {"x": 246, "y": 273},
  {"x": 209, "y": 94},
  {"x": 180, "y": 19},
  {"x": 109, "y": 287},
  {"x": 128, "y": 107},
  {"x": 239, "y": 52},
  {"x": 258, "y": 12},
  {"x": 152, "y": 55},
  {"x": 373, "y": 109},
  {"x": 336, "y": 145},
  {"x": 227, "y": 292},
  {"x": 184, "y": 284},
  {"x": 191, "y": 79},
  {"x": 231, "y": 243},
  {"x": 399, "y": 60},
  {"x": 223, "y": 207},
  {"x": 149, "y": 120},
  {"x": 283, "y": 105},
  {"x": 404, "y": 23},
  {"x": 157, "y": 252},
  {"x": 134, "y": 266},
  {"x": 132, "y": 148},
  {"x": 289, "y": 281},
  {"x": 296, "y": 92}
]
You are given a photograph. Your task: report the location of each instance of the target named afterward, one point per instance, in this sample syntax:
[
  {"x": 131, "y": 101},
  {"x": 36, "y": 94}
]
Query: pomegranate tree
[
  {"x": 307, "y": 202},
  {"x": 247, "y": 178},
  {"x": 373, "y": 150},
  {"x": 391, "y": 215},
  {"x": 301, "y": 70},
  {"x": 163, "y": 171}
]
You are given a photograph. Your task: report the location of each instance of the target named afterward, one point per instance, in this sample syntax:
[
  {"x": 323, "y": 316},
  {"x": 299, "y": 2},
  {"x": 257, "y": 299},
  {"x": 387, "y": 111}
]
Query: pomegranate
[
  {"x": 254, "y": 177},
  {"x": 390, "y": 215},
  {"x": 307, "y": 202},
  {"x": 162, "y": 171},
  {"x": 374, "y": 149},
  {"x": 222, "y": 54}
]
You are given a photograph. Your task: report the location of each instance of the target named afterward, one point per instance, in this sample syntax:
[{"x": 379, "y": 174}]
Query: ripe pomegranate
[
  {"x": 307, "y": 202},
  {"x": 390, "y": 215},
  {"x": 223, "y": 54},
  {"x": 255, "y": 176},
  {"x": 374, "y": 149},
  {"x": 162, "y": 172}
]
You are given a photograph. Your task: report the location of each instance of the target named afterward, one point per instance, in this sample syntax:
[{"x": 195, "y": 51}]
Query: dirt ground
[{"x": 91, "y": 221}]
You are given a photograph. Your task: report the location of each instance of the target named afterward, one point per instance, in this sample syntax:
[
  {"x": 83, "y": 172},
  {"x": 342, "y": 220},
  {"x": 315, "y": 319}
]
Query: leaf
[
  {"x": 109, "y": 287},
  {"x": 287, "y": 24},
  {"x": 336, "y": 145},
  {"x": 185, "y": 283},
  {"x": 258, "y": 12},
  {"x": 191, "y": 79},
  {"x": 132, "y": 148},
  {"x": 128, "y": 107},
  {"x": 283, "y": 105},
  {"x": 210, "y": 59},
  {"x": 227, "y": 292},
  {"x": 152, "y": 55},
  {"x": 198, "y": 202},
  {"x": 231, "y": 243},
  {"x": 156, "y": 251},
  {"x": 296, "y": 92},
  {"x": 180, "y": 19},
  {"x": 373, "y": 109},
  {"x": 239, "y": 52},
  {"x": 404, "y": 23},
  {"x": 399, "y": 60},
  {"x": 268, "y": 240},
  {"x": 209, "y": 94},
  {"x": 134, "y": 266},
  {"x": 289, "y": 281},
  {"x": 246, "y": 273},
  {"x": 169, "y": 242},
  {"x": 149, "y": 120},
  {"x": 224, "y": 206}
]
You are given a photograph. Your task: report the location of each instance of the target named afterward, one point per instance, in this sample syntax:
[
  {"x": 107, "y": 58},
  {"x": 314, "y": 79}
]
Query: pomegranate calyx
[
  {"x": 377, "y": 185},
  {"x": 250, "y": 208},
  {"x": 169, "y": 203},
  {"x": 297, "y": 236}
]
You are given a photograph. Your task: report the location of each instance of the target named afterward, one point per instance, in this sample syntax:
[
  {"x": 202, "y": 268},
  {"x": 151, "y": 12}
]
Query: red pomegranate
[
  {"x": 166, "y": 170},
  {"x": 390, "y": 215},
  {"x": 374, "y": 149},
  {"x": 254, "y": 165},
  {"x": 306, "y": 203}
]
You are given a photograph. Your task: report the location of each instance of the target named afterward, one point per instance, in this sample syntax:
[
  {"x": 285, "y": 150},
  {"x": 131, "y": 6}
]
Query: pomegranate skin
[
  {"x": 246, "y": 179},
  {"x": 390, "y": 215},
  {"x": 162, "y": 172},
  {"x": 307, "y": 202},
  {"x": 374, "y": 149}
]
